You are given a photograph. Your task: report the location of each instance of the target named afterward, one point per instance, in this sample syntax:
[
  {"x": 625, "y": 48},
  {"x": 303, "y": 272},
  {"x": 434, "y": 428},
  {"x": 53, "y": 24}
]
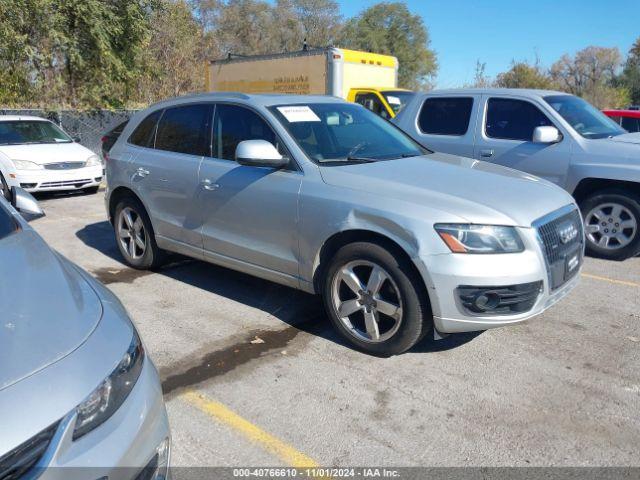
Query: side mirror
[
  {"x": 259, "y": 153},
  {"x": 546, "y": 135},
  {"x": 24, "y": 203},
  {"x": 77, "y": 138}
]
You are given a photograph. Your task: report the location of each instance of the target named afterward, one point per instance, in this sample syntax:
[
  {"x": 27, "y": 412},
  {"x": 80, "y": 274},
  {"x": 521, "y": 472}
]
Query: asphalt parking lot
[{"x": 253, "y": 373}]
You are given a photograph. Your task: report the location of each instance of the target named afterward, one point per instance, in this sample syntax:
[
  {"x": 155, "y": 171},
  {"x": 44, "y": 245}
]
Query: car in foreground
[
  {"x": 553, "y": 135},
  {"x": 79, "y": 397},
  {"x": 325, "y": 196},
  {"x": 38, "y": 156},
  {"x": 627, "y": 119}
]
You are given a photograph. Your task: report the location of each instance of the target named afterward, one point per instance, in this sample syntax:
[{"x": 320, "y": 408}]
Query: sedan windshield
[
  {"x": 585, "y": 119},
  {"x": 7, "y": 223},
  {"x": 397, "y": 99},
  {"x": 23, "y": 132},
  {"x": 344, "y": 132}
]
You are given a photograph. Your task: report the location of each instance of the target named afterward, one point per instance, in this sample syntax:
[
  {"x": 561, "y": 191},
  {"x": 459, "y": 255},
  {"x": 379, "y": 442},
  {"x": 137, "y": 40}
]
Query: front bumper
[
  {"x": 444, "y": 273},
  {"x": 58, "y": 180},
  {"x": 119, "y": 448}
]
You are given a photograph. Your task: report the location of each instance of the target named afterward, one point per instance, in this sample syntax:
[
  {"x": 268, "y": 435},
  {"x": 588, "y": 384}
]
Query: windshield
[
  {"x": 344, "y": 132},
  {"x": 7, "y": 223},
  {"x": 23, "y": 132},
  {"x": 397, "y": 99},
  {"x": 585, "y": 119}
]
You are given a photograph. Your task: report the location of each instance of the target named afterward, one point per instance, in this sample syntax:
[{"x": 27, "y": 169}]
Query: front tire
[
  {"x": 612, "y": 224},
  {"x": 92, "y": 190},
  {"x": 375, "y": 299},
  {"x": 134, "y": 235}
]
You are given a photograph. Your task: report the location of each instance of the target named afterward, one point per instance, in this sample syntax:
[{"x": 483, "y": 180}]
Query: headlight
[
  {"x": 93, "y": 161},
  {"x": 112, "y": 392},
  {"x": 480, "y": 238},
  {"x": 26, "y": 165}
]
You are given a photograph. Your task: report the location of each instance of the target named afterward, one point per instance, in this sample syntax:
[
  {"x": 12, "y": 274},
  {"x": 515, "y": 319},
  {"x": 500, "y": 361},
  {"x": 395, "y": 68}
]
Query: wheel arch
[
  {"x": 118, "y": 194},
  {"x": 590, "y": 185},
  {"x": 338, "y": 240}
]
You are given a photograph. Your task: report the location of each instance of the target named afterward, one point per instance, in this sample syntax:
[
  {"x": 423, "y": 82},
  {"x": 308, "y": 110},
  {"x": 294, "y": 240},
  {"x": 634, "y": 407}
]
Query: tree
[
  {"x": 524, "y": 75},
  {"x": 320, "y": 19},
  {"x": 174, "y": 59},
  {"x": 630, "y": 78},
  {"x": 390, "y": 28},
  {"x": 591, "y": 74},
  {"x": 480, "y": 78}
]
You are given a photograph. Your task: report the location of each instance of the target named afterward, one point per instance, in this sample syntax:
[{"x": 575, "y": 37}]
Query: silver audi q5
[
  {"x": 324, "y": 196},
  {"x": 78, "y": 396}
]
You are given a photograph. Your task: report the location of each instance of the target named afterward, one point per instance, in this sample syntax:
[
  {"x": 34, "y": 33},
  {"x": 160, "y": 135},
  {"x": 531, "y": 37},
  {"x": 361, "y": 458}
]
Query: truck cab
[
  {"x": 552, "y": 135},
  {"x": 386, "y": 102}
]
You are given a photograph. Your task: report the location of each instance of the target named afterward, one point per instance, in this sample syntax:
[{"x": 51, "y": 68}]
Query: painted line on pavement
[{"x": 611, "y": 280}]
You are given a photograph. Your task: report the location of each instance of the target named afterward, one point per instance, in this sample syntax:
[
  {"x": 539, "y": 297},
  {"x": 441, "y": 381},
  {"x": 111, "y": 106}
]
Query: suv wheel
[
  {"x": 375, "y": 300},
  {"x": 612, "y": 224},
  {"x": 134, "y": 235}
]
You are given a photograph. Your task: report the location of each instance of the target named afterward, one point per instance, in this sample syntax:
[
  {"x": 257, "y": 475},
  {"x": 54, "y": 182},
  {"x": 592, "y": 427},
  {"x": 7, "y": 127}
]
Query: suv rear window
[
  {"x": 445, "y": 115},
  {"x": 143, "y": 134},
  {"x": 185, "y": 129}
]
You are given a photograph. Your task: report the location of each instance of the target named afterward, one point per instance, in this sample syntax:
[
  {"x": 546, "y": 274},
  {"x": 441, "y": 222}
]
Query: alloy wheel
[
  {"x": 131, "y": 233},
  {"x": 367, "y": 301},
  {"x": 610, "y": 226}
]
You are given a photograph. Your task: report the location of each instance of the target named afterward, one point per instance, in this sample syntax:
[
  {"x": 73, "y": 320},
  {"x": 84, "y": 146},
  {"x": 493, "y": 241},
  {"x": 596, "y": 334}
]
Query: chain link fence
[{"x": 86, "y": 126}]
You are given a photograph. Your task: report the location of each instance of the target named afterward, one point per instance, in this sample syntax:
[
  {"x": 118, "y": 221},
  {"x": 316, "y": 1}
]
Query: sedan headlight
[
  {"x": 26, "y": 165},
  {"x": 466, "y": 238},
  {"x": 93, "y": 161},
  {"x": 112, "y": 392}
]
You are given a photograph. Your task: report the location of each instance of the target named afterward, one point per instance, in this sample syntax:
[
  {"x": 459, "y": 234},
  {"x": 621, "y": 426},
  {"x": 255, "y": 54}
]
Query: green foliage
[
  {"x": 630, "y": 78},
  {"x": 524, "y": 75},
  {"x": 392, "y": 29}
]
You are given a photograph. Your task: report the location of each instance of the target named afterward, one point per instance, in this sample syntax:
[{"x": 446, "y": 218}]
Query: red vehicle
[{"x": 627, "y": 119}]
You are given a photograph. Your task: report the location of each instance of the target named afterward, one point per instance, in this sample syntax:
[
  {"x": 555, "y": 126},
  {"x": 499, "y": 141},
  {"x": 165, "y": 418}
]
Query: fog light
[{"x": 485, "y": 301}]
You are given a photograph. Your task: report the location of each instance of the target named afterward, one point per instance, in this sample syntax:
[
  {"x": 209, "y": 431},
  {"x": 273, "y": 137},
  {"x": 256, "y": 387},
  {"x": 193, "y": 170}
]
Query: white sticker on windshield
[
  {"x": 394, "y": 100},
  {"x": 298, "y": 113}
]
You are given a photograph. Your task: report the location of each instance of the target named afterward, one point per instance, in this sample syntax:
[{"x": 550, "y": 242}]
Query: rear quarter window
[
  {"x": 143, "y": 135},
  {"x": 445, "y": 115}
]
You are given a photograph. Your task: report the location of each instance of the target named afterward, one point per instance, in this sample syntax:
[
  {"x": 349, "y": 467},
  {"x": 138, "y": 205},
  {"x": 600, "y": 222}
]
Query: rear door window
[
  {"x": 143, "y": 135},
  {"x": 511, "y": 119},
  {"x": 185, "y": 129},
  {"x": 445, "y": 116},
  {"x": 234, "y": 124}
]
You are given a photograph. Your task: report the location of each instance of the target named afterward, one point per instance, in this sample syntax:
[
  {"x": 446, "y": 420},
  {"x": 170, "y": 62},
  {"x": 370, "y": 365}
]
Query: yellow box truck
[{"x": 322, "y": 71}]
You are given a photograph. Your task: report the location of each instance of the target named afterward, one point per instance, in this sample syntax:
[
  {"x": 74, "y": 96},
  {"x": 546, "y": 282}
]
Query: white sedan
[{"x": 37, "y": 155}]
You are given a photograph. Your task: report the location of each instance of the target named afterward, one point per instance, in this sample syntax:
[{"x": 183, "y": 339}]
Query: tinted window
[
  {"x": 631, "y": 124},
  {"x": 185, "y": 130},
  {"x": 371, "y": 102},
  {"x": 445, "y": 116},
  {"x": 513, "y": 119},
  {"x": 143, "y": 134},
  {"x": 397, "y": 99},
  {"x": 583, "y": 117},
  {"x": 7, "y": 224},
  {"x": 616, "y": 119},
  {"x": 234, "y": 124}
]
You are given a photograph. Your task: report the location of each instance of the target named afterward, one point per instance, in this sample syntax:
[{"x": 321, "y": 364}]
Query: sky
[{"x": 496, "y": 32}]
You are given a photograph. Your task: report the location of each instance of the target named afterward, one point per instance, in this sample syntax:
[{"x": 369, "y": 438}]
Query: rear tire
[
  {"x": 92, "y": 190},
  {"x": 375, "y": 299},
  {"x": 612, "y": 224},
  {"x": 134, "y": 235}
]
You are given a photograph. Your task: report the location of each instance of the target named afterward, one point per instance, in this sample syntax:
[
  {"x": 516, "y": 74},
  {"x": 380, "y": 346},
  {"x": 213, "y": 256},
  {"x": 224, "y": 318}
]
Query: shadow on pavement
[{"x": 298, "y": 309}]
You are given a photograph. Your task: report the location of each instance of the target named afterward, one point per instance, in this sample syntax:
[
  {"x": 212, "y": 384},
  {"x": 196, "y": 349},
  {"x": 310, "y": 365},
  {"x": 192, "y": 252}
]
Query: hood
[
  {"x": 626, "y": 138},
  {"x": 476, "y": 191},
  {"x": 43, "y": 153},
  {"x": 47, "y": 309}
]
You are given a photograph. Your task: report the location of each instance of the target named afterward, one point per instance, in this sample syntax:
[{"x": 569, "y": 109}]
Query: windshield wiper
[{"x": 349, "y": 160}]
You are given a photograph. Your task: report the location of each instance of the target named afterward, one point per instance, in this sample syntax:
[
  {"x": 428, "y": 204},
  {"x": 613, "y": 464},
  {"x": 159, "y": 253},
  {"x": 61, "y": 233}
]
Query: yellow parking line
[
  {"x": 611, "y": 280},
  {"x": 288, "y": 454}
]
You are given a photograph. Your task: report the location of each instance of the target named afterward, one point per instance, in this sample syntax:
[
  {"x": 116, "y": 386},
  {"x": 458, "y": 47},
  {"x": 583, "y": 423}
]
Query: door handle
[
  {"x": 142, "y": 172},
  {"x": 209, "y": 185},
  {"x": 486, "y": 153}
]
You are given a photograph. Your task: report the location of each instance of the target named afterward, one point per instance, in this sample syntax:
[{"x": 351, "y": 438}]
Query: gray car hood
[
  {"x": 477, "y": 191},
  {"x": 47, "y": 309},
  {"x": 627, "y": 138}
]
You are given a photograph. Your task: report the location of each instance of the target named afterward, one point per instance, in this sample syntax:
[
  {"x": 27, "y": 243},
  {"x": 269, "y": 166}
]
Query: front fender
[
  {"x": 8, "y": 170},
  {"x": 622, "y": 171}
]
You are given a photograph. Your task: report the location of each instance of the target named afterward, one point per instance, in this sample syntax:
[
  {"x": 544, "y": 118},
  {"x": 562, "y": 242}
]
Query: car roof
[
  {"x": 523, "y": 92},
  {"x": 261, "y": 99},
  {"x": 14, "y": 118},
  {"x": 623, "y": 113}
]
